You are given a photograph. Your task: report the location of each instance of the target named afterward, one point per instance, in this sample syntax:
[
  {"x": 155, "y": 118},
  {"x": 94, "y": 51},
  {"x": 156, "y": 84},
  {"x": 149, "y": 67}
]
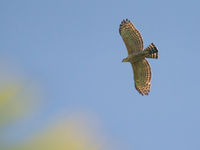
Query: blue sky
[{"x": 73, "y": 50}]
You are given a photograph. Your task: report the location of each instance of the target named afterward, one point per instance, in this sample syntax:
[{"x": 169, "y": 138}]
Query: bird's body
[{"x": 136, "y": 56}]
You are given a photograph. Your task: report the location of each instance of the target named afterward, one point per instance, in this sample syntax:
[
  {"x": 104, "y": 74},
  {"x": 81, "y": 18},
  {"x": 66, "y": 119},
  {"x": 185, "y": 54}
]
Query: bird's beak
[{"x": 124, "y": 60}]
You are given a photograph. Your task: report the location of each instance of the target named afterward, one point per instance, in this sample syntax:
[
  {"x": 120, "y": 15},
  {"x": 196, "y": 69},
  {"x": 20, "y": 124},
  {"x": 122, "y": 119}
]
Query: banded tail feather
[{"x": 151, "y": 51}]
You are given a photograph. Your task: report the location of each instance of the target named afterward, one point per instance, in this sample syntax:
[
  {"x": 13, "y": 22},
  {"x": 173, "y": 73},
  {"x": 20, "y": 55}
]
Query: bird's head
[{"x": 125, "y": 59}]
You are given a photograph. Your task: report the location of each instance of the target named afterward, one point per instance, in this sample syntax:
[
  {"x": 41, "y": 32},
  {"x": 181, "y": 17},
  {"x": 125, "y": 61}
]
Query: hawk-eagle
[{"x": 136, "y": 56}]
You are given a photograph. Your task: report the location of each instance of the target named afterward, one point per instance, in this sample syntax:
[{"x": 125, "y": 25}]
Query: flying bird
[{"x": 137, "y": 56}]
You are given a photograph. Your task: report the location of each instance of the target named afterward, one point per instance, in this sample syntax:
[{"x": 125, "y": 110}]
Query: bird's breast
[{"x": 136, "y": 57}]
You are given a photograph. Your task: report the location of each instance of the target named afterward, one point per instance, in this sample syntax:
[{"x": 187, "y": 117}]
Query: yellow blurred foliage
[
  {"x": 73, "y": 134},
  {"x": 17, "y": 100},
  {"x": 17, "y": 97},
  {"x": 10, "y": 105},
  {"x": 8, "y": 93}
]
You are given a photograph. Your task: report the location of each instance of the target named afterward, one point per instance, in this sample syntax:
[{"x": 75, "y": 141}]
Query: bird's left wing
[{"x": 142, "y": 76}]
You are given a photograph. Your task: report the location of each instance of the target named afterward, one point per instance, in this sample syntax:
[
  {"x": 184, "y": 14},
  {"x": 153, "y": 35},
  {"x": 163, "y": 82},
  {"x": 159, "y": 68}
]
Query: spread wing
[
  {"x": 131, "y": 37},
  {"x": 142, "y": 76}
]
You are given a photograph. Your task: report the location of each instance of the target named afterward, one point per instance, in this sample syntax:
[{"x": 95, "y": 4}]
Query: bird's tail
[{"x": 151, "y": 51}]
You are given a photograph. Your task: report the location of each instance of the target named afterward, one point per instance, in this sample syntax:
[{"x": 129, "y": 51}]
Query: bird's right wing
[
  {"x": 131, "y": 37},
  {"x": 142, "y": 76}
]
